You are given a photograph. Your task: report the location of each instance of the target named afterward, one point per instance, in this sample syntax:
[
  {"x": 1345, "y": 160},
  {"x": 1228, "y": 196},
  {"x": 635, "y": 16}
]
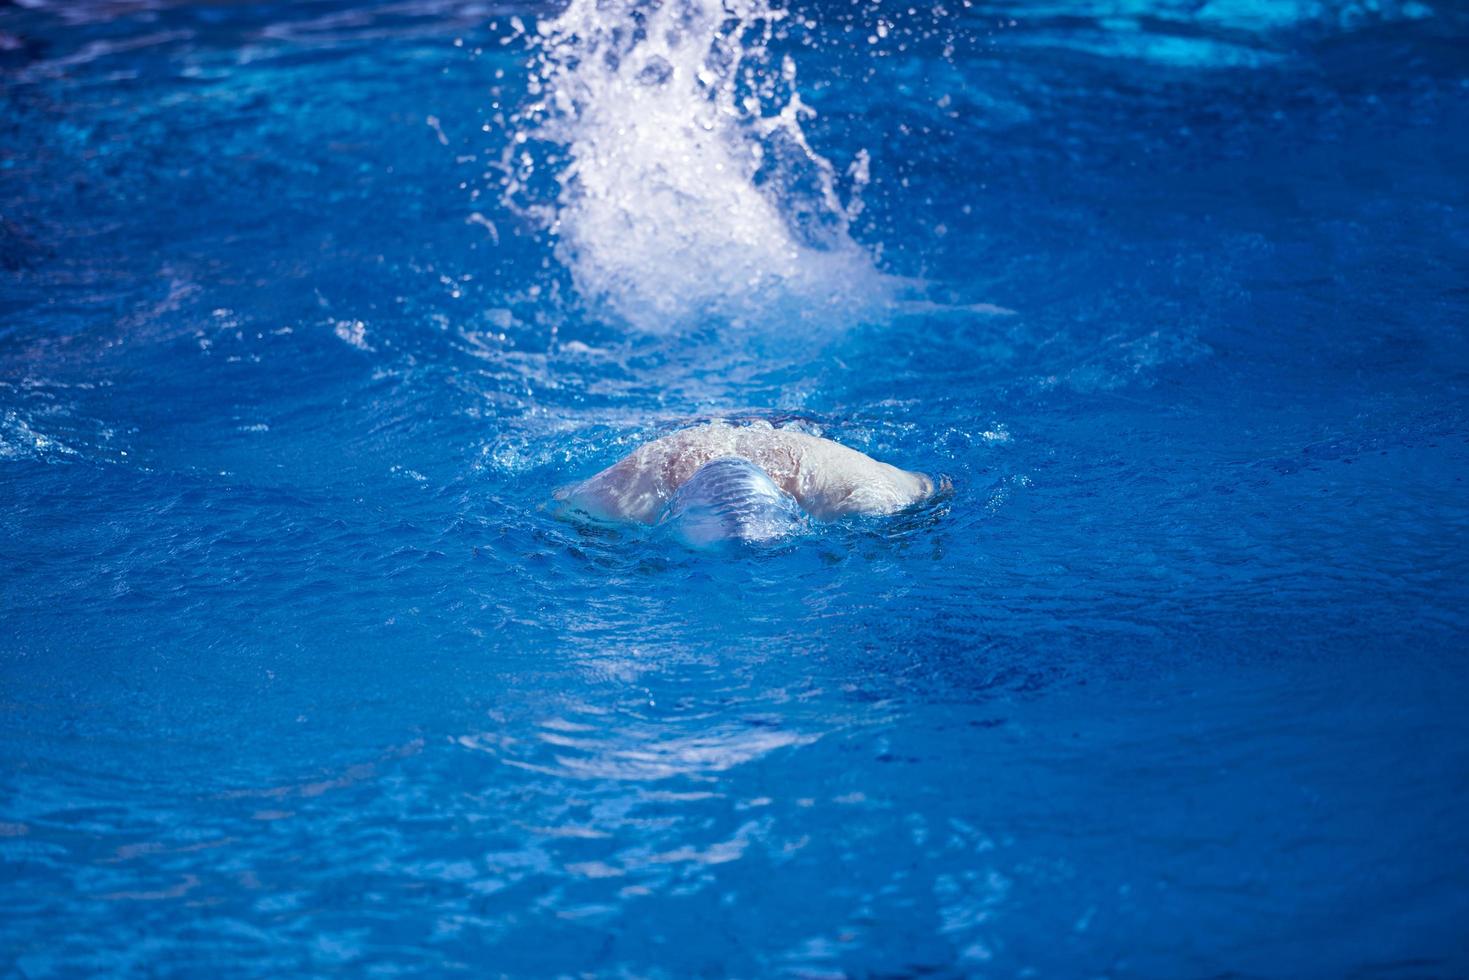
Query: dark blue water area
[{"x": 302, "y": 671}]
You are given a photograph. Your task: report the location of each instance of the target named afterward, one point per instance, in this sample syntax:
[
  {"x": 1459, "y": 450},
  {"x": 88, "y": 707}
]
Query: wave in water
[{"x": 663, "y": 148}]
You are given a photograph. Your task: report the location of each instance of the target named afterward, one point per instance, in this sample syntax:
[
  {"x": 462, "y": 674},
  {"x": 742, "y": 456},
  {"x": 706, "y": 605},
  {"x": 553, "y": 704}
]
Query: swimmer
[{"x": 751, "y": 482}]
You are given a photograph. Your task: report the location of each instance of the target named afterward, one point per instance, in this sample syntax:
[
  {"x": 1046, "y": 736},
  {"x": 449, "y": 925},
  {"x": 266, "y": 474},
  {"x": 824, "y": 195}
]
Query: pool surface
[{"x": 308, "y": 309}]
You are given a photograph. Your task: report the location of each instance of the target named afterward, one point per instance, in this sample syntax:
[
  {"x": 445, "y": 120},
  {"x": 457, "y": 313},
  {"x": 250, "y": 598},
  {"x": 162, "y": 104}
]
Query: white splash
[{"x": 681, "y": 183}]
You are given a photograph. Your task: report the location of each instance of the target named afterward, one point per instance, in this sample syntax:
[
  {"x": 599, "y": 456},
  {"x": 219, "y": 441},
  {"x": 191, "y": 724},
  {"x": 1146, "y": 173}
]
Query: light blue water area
[{"x": 307, "y": 310}]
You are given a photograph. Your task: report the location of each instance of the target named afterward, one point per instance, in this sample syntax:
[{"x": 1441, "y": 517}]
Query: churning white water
[{"x": 663, "y": 147}]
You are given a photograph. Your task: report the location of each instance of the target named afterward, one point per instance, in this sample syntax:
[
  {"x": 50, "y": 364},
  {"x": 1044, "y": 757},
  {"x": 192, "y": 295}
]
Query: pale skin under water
[{"x": 827, "y": 479}]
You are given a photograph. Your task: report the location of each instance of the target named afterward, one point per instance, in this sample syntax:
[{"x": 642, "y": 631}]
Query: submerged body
[{"x": 691, "y": 469}]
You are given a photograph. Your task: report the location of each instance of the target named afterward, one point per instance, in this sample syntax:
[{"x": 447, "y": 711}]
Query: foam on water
[{"x": 664, "y": 149}]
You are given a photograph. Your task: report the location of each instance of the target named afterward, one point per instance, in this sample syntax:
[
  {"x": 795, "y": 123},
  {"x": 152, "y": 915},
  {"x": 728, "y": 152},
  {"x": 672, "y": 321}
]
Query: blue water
[{"x": 302, "y": 671}]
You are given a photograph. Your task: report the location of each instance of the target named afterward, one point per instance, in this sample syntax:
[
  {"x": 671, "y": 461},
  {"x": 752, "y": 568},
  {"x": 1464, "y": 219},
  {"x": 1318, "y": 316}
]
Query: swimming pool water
[{"x": 302, "y": 671}]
